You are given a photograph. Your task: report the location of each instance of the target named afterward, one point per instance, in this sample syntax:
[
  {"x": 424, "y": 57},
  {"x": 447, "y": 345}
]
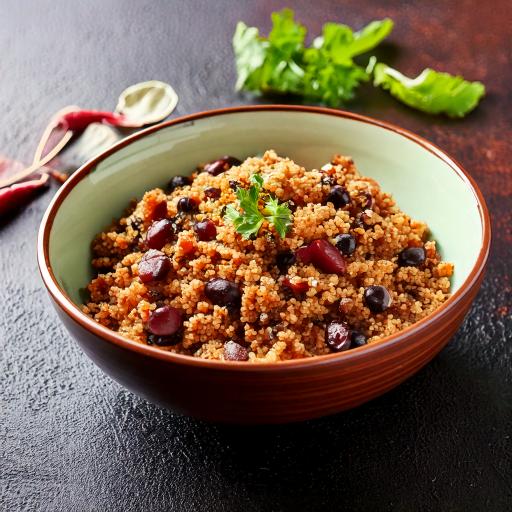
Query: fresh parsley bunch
[
  {"x": 254, "y": 207},
  {"x": 326, "y": 71}
]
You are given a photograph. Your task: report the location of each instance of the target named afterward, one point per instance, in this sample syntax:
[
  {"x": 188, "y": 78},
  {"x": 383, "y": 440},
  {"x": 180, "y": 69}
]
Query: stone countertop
[{"x": 73, "y": 440}]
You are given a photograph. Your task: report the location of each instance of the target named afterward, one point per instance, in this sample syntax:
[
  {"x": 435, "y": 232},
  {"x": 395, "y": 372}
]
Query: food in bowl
[{"x": 263, "y": 260}]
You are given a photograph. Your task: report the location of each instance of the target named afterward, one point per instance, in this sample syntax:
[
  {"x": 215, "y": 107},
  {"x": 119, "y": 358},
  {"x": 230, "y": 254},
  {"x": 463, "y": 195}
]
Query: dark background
[{"x": 73, "y": 440}]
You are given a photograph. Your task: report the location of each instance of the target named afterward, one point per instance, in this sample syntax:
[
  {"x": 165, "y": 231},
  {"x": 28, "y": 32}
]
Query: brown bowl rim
[{"x": 408, "y": 334}]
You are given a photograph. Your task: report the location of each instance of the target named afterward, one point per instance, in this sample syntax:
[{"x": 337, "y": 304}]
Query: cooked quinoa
[{"x": 222, "y": 296}]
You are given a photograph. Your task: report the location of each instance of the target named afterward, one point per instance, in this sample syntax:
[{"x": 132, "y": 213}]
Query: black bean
[
  {"x": 346, "y": 243},
  {"x": 284, "y": 260},
  {"x": 178, "y": 181},
  {"x": 338, "y": 196},
  {"x": 358, "y": 339},
  {"x": 164, "y": 341},
  {"x": 412, "y": 257},
  {"x": 377, "y": 298},
  {"x": 360, "y": 220},
  {"x": 221, "y": 165},
  {"x": 187, "y": 205}
]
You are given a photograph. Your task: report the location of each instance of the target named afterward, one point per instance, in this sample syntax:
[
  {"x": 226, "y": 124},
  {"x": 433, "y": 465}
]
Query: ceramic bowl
[{"x": 427, "y": 184}]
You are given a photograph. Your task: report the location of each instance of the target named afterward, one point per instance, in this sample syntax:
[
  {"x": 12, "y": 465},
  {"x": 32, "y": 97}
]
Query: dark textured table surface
[{"x": 73, "y": 440}]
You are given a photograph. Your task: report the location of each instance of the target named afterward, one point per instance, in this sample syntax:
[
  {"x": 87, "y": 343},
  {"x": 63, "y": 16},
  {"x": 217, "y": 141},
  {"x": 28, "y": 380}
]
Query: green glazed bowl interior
[{"x": 426, "y": 184}]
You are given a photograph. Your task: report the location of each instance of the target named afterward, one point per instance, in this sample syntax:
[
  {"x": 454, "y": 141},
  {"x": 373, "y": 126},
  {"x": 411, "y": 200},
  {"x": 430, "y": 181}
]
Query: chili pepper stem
[
  {"x": 58, "y": 176},
  {"x": 39, "y": 161},
  {"x": 54, "y": 121},
  {"x": 25, "y": 173}
]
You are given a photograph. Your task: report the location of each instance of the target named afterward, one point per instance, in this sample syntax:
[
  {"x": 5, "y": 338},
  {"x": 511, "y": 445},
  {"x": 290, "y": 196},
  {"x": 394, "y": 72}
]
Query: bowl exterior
[{"x": 252, "y": 396}]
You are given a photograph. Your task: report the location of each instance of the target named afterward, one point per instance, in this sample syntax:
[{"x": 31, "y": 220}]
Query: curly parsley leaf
[
  {"x": 279, "y": 215},
  {"x": 245, "y": 223},
  {"x": 248, "y": 200},
  {"x": 248, "y": 221},
  {"x": 431, "y": 91},
  {"x": 257, "y": 180}
]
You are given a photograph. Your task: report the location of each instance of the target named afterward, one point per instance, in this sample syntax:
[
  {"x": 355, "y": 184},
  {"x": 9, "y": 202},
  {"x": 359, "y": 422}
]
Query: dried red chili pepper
[
  {"x": 67, "y": 123},
  {"x": 16, "y": 195},
  {"x": 133, "y": 110},
  {"x": 20, "y": 193},
  {"x": 79, "y": 120}
]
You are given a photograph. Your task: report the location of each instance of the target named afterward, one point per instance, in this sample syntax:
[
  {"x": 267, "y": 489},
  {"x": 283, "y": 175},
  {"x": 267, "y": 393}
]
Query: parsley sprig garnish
[{"x": 254, "y": 207}]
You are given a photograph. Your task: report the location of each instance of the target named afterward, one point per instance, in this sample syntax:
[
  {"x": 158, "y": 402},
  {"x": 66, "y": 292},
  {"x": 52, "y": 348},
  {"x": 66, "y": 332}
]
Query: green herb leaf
[
  {"x": 245, "y": 223},
  {"x": 257, "y": 179},
  {"x": 331, "y": 75},
  {"x": 248, "y": 221},
  {"x": 279, "y": 215},
  {"x": 282, "y": 71},
  {"x": 248, "y": 200},
  {"x": 250, "y": 53},
  {"x": 371, "y": 36},
  {"x": 323, "y": 73},
  {"x": 286, "y": 35},
  {"x": 341, "y": 44},
  {"x": 330, "y": 83},
  {"x": 270, "y": 64},
  {"x": 431, "y": 91},
  {"x": 326, "y": 72}
]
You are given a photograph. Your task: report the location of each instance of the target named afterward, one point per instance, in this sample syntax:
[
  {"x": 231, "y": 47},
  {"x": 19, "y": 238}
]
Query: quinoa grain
[{"x": 270, "y": 322}]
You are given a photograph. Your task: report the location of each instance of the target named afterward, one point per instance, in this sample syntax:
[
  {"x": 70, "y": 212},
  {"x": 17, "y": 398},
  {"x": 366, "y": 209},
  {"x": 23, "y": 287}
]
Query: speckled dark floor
[{"x": 72, "y": 440}]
